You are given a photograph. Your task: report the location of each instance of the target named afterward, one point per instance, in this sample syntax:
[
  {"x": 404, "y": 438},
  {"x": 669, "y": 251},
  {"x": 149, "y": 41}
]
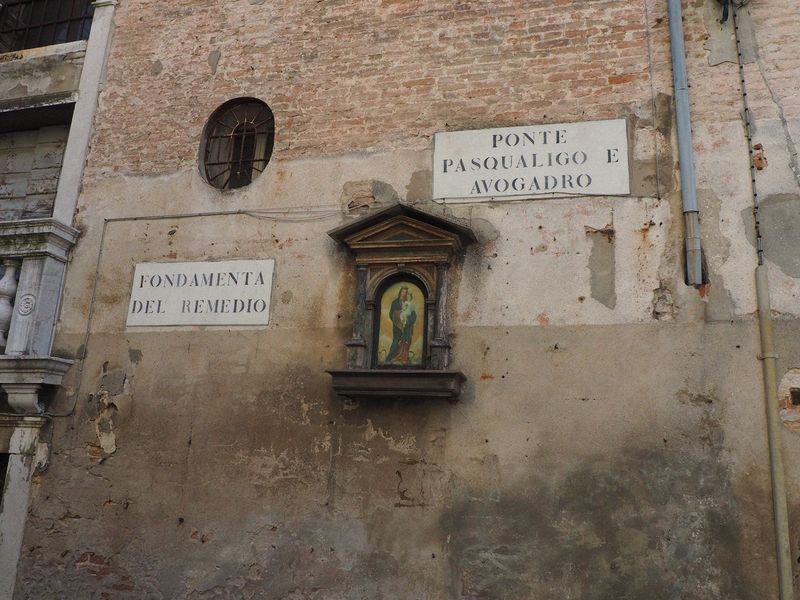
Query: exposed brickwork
[
  {"x": 777, "y": 34},
  {"x": 102, "y": 576},
  {"x": 348, "y": 76},
  {"x": 715, "y": 91}
]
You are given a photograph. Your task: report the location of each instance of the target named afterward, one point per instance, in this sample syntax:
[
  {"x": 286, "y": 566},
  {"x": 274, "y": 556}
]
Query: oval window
[{"x": 237, "y": 143}]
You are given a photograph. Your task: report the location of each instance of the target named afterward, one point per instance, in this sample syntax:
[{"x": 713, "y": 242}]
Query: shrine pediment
[
  {"x": 405, "y": 229},
  {"x": 400, "y": 230}
]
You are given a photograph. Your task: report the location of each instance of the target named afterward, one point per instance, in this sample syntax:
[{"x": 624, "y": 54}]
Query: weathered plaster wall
[{"x": 611, "y": 438}]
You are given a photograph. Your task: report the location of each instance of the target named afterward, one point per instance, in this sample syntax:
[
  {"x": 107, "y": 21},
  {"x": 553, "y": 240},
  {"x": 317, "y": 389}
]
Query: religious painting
[{"x": 401, "y": 328}]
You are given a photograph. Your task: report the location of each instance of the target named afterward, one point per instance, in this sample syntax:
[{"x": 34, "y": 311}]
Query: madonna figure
[{"x": 403, "y": 314}]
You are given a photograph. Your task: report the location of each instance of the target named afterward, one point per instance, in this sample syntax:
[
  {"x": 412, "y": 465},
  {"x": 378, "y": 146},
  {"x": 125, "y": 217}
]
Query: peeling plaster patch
[
  {"x": 113, "y": 384},
  {"x": 199, "y": 536},
  {"x": 649, "y": 137},
  {"x": 669, "y": 291},
  {"x": 689, "y": 398},
  {"x": 213, "y": 60},
  {"x": 484, "y": 230},
  {"x": 489, "y": 279},
  {"x": 779, "y": 215},
  {"x": 106, "y": 573},
  {"x": 135, "y": 355},
  {"x": 778, "y": 138},
  {"x": 720, "y": 304},
  {"x": 716, "y": 252},
  {"x": 114, "y": 381},
  {"x": 404, "y": 445},
  {"x": 357, "y": 194},
  {"x": 384, "y": 193},
  {"x": 721, "y": 43},
  {"x": 256, "y": 1},
  {"x": 664, "y": 117},
  {"x": 272, "y": 468},
  {"x": 106, "y": 436},
  {"x": 420, "y": 186},
  {"x": 723, "y": 171},
  {"x": 104, "y": 423},
  {"x": 602, "y": 266},
  {"x": 368, "y": 193},
  {"x": 664, "y": 308},
  {"x": 156, "y": 67}
]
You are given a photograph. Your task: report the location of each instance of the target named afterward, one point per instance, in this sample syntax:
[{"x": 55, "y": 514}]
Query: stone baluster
[{"x": 8, "y": 289}]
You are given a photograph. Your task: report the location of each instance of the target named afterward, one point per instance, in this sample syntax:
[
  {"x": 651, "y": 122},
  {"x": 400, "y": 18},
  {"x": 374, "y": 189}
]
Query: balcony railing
[
  {"x": 33, "y": 256},
  {"x": 35, "y": 23}
]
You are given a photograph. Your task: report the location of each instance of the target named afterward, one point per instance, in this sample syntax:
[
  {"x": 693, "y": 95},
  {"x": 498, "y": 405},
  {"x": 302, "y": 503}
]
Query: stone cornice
[
  {"x": 36, "y": 237},
  {"x": 33, "y": 370},
  {"x": 17, "y": 421},
  {"x": 39, "y": 51},
  {"x": 397, "y": 384}
]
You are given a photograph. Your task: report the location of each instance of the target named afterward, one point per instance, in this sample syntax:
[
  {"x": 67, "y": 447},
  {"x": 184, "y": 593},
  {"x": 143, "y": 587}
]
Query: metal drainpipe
[
  {"x": 769, "y": 368},
  {"x": 691, "y": 213},
  {"x": 769, "y": 362}
]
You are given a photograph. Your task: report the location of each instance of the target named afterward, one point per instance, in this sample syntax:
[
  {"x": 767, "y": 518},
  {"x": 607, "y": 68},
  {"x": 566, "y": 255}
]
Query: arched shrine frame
[{"x": 392, "y": 243}]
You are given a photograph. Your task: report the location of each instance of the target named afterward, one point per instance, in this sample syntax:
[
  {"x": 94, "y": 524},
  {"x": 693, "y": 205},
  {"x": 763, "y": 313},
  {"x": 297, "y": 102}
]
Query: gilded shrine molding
[{"x": 400, "y": 345}]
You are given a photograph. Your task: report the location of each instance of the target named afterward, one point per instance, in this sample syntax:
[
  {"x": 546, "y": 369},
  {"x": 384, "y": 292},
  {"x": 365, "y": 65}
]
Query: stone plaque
[
  {"x": 230, "y": 292},
  {"x": 584, "y": 159}
]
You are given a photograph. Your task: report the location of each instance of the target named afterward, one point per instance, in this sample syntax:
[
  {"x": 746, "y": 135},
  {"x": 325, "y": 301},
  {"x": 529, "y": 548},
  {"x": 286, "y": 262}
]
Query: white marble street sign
[
  {"x": 230, "y": 292},
  {"x": 585, "y": 159}
]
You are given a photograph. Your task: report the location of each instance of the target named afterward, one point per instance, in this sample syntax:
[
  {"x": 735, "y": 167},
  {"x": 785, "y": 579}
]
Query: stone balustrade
[
  {"x": 8, "y": 294},
  {"x": 33, "y": 255}
]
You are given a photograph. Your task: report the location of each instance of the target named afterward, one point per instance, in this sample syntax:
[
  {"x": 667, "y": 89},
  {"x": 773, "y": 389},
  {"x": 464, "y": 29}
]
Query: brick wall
[
  {"x": 383, "y": 74},
  {"x": 778, "y": 35},
  {"x": 715, "y": 91},
  {"x": 361, "y": 75}
]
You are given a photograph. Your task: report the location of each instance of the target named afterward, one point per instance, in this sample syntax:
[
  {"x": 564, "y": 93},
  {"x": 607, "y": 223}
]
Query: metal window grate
[
  {"x": 238, "y": 143},
  {"x": 35, "y": 23}
]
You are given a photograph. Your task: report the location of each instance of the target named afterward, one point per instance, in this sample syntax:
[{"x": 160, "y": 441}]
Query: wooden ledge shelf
[{"x": 397, "y": 384}]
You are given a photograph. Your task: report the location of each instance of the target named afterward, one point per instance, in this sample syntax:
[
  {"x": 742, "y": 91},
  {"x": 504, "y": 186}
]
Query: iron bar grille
[
  {"x": 238, "y": 145},
  {"x": 35, "y": 23}
]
